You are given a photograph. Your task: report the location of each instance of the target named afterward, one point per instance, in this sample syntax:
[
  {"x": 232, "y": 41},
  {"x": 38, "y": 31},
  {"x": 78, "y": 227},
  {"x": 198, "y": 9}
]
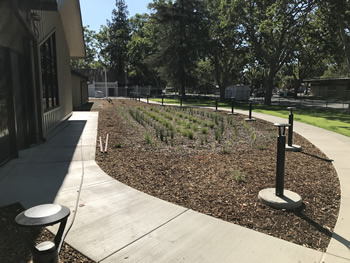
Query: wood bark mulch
[{"x": 221, "y": 178}]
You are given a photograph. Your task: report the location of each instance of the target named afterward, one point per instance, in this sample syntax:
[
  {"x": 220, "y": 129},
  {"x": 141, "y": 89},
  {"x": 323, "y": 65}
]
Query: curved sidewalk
[{"x": 116, "y": 223}]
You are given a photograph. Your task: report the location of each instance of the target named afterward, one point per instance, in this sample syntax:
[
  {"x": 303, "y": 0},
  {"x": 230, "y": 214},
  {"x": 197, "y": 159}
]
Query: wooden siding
[{"x": 51, "y": 23}]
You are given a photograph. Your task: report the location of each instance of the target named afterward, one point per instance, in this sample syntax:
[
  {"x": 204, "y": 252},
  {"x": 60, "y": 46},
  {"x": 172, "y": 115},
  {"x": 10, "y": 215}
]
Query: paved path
[{"x": 116, "y": 223}]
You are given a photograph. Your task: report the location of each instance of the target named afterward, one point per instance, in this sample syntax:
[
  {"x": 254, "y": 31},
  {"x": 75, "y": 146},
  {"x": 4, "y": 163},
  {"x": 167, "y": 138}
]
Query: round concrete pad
[
  {"x": 289, "y": 200},
  {"x": 252, "y": 119},
  {"x": 293, "y": 148}
]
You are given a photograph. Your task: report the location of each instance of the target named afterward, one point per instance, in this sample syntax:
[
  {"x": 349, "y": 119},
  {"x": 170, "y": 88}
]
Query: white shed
[{"x": 240, "y": 92}]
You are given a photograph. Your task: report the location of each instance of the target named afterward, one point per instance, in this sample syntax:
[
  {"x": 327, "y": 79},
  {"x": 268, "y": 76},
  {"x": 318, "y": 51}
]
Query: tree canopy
[{"x": 203, "y": 45}]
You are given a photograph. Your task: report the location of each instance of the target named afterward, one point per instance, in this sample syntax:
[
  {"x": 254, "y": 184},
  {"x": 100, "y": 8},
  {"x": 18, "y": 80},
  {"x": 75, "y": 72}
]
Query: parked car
[{"x": 99, "y": 94}]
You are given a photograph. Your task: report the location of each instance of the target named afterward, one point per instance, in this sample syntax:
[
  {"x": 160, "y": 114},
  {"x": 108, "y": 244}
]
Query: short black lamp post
[
  {"x": 139, "y": 97},
  {"x": 42, "y": 216},
  {"x": 281, "y": 153},
  {"x": 250, "y": 112},
  {"x": 278, "y": 197},
  {"x": 162, "y": 99},
  {"x": 216, "y": 103},
  {"x": 147, "y": 98},
  {"x": 291, "y": 146},
  {"x": 180, "y": 101},
  {"x": 233, "y": 106}
]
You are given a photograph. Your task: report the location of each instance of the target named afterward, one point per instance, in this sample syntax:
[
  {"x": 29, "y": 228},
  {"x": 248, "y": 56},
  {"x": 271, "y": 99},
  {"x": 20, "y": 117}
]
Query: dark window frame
[{"x": 49, "y": 78}]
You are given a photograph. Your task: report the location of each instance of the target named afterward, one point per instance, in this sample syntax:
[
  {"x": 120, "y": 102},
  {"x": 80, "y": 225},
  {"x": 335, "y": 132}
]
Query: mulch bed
[
  {"x": 222, "y": 179},
  {"x": 218, "y": 179}
]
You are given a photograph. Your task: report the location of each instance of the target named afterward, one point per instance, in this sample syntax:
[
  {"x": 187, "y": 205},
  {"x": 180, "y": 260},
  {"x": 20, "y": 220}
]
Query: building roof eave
[{"x": 72, "y": 24}]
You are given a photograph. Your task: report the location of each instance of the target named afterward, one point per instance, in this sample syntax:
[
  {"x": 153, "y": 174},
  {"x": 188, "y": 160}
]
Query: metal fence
[{"x": 305, "y": 102}]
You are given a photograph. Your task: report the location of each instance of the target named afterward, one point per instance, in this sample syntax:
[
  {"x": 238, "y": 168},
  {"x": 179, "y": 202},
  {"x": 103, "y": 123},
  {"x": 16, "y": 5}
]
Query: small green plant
[
  {"x": 161, "y": 134},
  {"x": 117, "y": 145},
  {"x": 204, "y": 130},
  {"x": 222, "y": 128},
  {"x": 236, "y": 132},
  {"x": 190, "y": 135},
  {"x": 238, "y": 176},
  {"x": 262, "y": 147},
  {"x": 217, "y": 135},
  {"x": 148, "y": 139},
  {"x": 226, "y": 148}
]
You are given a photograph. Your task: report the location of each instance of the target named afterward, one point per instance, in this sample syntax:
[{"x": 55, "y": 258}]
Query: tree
[
  {"x": 118, "y": 37},
  {"x": 91, "y": 50},
  {"x": 313, "y": 51},
  {"x": 226, "y": 48},
  {"x": 273, "y": 28},
  {"x": 140, "y": 48},
  {"x": 179, "y": 25}
]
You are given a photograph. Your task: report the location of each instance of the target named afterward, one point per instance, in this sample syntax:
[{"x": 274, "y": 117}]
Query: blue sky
[{"x": 96, "y": 12}]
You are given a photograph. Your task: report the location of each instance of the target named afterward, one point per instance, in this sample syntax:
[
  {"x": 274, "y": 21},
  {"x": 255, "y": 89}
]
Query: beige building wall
[
  {"x": 51, "y": 23},
  {"x": 79, "y": 91}
]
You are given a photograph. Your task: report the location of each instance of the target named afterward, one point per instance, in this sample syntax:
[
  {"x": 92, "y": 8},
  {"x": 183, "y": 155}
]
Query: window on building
[{"x": 49, "y": 73}]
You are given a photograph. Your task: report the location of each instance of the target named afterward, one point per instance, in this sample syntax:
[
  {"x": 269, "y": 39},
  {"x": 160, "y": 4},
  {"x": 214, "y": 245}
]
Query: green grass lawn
[{"x": 324, "y": 118}]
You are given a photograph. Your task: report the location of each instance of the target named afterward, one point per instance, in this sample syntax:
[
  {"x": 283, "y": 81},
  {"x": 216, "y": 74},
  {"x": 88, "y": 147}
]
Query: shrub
[
  {"x": 217, "y": 135},
  {"x": 148, "y": 139},
  {"x": 190, "y": 135},
  {"x": 204, "y": 130},
  {"x": 238, "y": 176}
]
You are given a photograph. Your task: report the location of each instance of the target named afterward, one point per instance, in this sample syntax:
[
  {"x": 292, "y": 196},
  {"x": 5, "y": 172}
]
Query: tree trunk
[
  {"x": 297, "y": 83},
  {"x": 268, "y": 85},
  {"x": 344, "y": 37},
  {"x": 222, "y": 92}
]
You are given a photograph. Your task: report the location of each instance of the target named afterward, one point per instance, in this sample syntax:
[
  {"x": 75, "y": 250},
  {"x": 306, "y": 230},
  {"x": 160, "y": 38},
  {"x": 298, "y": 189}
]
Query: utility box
[{"x": 240, "y": 92}]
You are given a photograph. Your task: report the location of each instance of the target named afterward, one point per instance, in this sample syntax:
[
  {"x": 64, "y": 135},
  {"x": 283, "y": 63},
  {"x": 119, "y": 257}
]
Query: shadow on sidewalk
[{"x": 39, "y": 173}]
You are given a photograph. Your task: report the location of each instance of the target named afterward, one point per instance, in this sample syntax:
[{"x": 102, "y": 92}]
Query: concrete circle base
[
  {"x": 289, "y": 200},
  {"x": 233, "y": 113},
  {"x": 293, "y": 148},
  {"x": 252, "y": 119}
]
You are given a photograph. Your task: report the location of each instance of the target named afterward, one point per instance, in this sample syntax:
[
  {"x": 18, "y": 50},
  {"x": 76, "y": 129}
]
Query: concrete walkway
[{"x": 116, "y": 223}]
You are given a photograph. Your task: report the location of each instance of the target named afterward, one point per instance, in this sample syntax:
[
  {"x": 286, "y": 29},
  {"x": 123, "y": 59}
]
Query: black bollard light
[
  {"x": 162, "y": 100},
  {"x": 250, "y": 109},
  {"x": 216, "y": 104},
  {"x": 180, "y": 101},
  {"x": 290, "y": 129},
  {"x": 279, "y": 197},
  {"x": 281, "y": 153},
  {"x": 42, "y": 216},
  {"x": 250, "y": 112},
  {"x": 291, "y": 146},
  {"x": 139, "y": 97},
  {"x": 147, "y": 98},
  {"x": 233, "y": 106}
]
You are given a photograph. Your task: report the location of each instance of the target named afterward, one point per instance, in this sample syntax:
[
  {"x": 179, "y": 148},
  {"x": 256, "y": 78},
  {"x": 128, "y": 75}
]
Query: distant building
[
  {"x": 330, "y": 88},
  {"x": 37, "y": 40},
  {"x": 240, "y": 92}
]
